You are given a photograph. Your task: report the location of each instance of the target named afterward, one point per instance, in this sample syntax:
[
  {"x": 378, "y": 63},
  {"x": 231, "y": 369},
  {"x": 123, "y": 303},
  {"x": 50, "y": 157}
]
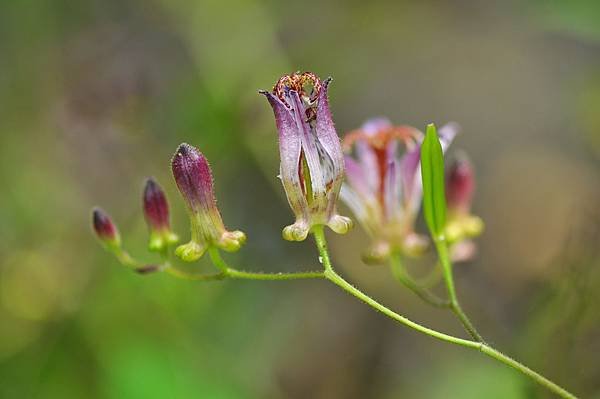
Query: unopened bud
[
  {"x": 105, "y": 229},
  {"x": 156, "y": 212},
  {"x": 460, "y": 186},
  {"x": 194, "y": 180}
]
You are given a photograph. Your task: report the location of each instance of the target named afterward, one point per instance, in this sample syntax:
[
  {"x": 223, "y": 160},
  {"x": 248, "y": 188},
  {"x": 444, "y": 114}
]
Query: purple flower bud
[
  {"x": 194, "y": 180},
  {"x": 312, "y": 162},
  {"x": 461, "y": 225},
  {"x": 156, "y": 212},
  {"x": 383, "y": 187},
  {"x": 105, "y": 229},
  {"x": 460, "y": 186}
]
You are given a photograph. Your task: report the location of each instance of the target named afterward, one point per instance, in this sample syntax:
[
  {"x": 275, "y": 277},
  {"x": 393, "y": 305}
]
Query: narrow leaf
[{"x": 432, "y": 173}]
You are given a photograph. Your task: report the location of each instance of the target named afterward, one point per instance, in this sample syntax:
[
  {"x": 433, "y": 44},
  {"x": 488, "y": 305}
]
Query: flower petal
[
  {"x": 374, "y": 125},
  {"x": 289, "y": 149},
  {"x": 309, "y": 145}
]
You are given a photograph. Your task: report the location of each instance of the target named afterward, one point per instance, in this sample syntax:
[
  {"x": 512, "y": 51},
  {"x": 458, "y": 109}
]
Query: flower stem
[
  {"x": 442, "y": 250},
  {"x": 232, "y": 273},
  {"x": 480, "y": 346},
  {"x": 403, "y": 277}
]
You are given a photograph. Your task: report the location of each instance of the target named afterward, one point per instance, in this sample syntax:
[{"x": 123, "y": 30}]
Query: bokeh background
[{"x": 96, "y": 95}]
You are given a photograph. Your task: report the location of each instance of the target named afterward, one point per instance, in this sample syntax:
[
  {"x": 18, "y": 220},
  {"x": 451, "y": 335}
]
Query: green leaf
[{"x": 432, "y": 173}]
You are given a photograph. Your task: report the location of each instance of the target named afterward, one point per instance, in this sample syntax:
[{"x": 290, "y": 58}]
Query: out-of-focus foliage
[{"x": 95, "y": 96}]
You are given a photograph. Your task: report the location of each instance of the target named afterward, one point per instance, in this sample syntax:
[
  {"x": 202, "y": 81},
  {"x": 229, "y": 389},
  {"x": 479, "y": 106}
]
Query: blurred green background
[{"x": 96, "y": 95}]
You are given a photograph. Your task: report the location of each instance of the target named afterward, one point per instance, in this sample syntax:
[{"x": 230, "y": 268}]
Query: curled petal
[
  {"x": 297, "y": 231},
  {"x": 231, "y": 241},
  {"x": 340, "y": 224},
  {"x": 192, "y": 251}
]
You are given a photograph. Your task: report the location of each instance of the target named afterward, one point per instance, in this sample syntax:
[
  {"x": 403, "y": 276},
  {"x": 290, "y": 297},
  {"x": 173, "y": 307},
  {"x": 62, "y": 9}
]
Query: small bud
[
  {"x": 461, "y": 225},
  {"x": 460, "y": 186},
  {"x": 156, "y": 212},
  {"x": 194, "y": 180},
  {"x": 105, "y": 229}
]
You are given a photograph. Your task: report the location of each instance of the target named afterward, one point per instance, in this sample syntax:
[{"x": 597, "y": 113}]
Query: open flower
[
  {"x": 461, "y": 225},
  {"x": 194, "y": 180},
  {"x": 384, "y": 188},
  {"x": 312, "y": 162}
]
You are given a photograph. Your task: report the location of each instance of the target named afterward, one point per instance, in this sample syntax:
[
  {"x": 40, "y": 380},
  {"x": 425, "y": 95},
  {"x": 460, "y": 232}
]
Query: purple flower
[
  {"x": 156, "y": 212},
  {"x": 312, "y": 163},
  {"x": 194, "y": 180},
  {"x": 384, "y": 188},
  {"x": 461, "y": 225},
  {"x": 105, "y": 229}
]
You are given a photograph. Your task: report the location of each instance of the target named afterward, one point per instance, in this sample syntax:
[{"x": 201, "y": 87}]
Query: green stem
[
  {"x": 335, "y": 278},
  {"x": 193, "y": 276},
  {"x": 230, "y": 272},
  {"x": 403, "y": 277},
  {"x": 540, "y": 379},
  {"x": 444, "y": 256}
]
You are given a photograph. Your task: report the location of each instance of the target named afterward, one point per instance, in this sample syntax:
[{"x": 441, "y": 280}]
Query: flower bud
[
  {"x": 156, "y": 212},
  {"x": 105, "y": 229},
  {"x": 460, "y": 186},
  {"x": 194, "y": 181},
  {"x": 461, "y": 224},
  {"x": 312, "y": 162}
]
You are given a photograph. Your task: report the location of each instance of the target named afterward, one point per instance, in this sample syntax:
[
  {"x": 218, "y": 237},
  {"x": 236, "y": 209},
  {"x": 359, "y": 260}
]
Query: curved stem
[
  {"x": 403, "y": 277},
  {"x": 239, "y": 274},
  {"x": 540, "y": 379},
  {"x": 442, "y": 250},
  {"x": 193, "y": 276},
  {"x": 230, "y": 272},
  {"x": 335, "y": 278}
]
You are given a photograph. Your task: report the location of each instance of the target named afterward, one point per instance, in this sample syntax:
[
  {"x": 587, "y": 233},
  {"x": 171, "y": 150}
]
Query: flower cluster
[
  {"x": 384, "y": 190},
  {"x": 194, "y": 180}
]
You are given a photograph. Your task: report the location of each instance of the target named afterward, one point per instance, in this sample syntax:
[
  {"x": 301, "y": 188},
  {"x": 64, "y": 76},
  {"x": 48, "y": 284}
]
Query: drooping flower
[
  {"x": 156, "y": 213},
  {"x": 312, "y": 162},
  {"x": 384, "y": 188},
  {"x": 461, "y": 225},
  {"x": 105, "y": 229},
  {"x": 194, "y": 180}
]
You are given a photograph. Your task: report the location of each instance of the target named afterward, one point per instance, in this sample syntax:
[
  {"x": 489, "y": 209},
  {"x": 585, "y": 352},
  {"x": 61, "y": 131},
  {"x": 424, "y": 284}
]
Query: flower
[
  {"x": 156, "y": 213},
  {"x": 194, "y": 180},
  {"x": 384, "y": 188},
  {"x": 105, "y": 229},
  {"x": 312, "y": 162},
  {"x": 461, "y": 225}
]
